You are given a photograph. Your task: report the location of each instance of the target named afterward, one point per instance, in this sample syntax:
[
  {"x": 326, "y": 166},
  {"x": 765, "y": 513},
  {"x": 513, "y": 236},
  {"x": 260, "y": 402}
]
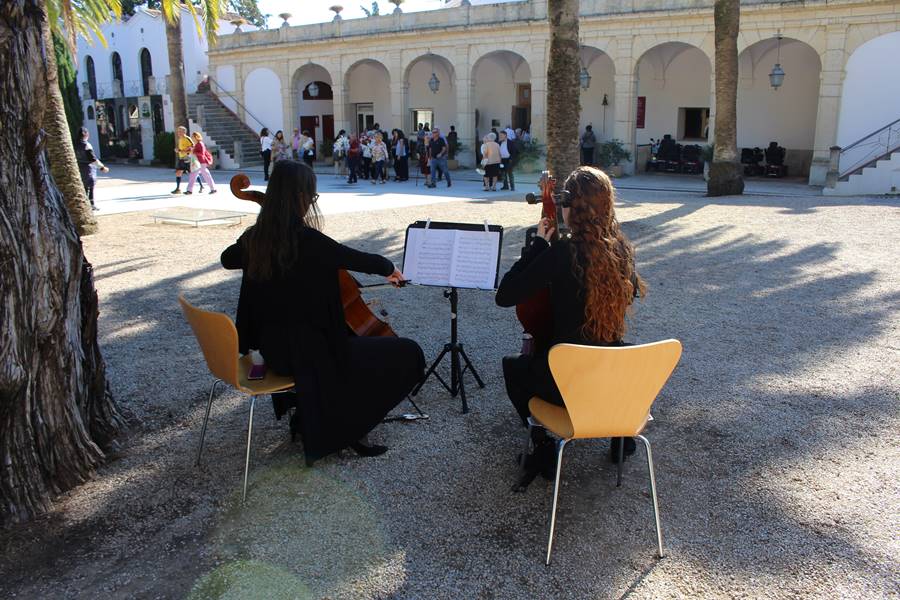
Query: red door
[
  {"x": 327, "y": 127},
  {"x": 309, "y": 124}
]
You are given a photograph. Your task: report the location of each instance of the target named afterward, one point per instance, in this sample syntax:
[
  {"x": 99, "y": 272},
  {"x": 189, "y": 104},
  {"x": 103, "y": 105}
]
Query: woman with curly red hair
[{"x": 593, "y": 282}]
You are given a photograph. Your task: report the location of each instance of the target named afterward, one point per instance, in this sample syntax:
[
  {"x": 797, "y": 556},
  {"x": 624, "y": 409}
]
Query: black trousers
[
  {"x": 507, "y": 173},
  {"x": 267, "y": 160},
  {"x": 527, "y": 376},
  {"x": 401, "y": 168},
  {"x": 353, "y": 168},
  {"x": 587, "y": 156},
  {"x": 366, "y": 171}
]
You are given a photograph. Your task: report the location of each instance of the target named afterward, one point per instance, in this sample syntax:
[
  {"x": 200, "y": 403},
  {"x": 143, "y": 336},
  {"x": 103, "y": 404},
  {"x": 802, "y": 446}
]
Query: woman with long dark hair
[
  {"x": 290, "y": 309},
  {"x": 265, "y": 150},
  {"x": 592, "y": 275}
]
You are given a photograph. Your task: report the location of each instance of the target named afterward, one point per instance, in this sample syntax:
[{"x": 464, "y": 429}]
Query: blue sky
[{"x": 316, "y": 11}]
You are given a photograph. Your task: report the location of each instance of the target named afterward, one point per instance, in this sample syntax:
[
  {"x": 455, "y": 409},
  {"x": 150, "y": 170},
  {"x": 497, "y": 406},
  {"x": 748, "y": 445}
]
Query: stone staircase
[
  {"x": 882, "y": 177},
  {"x": 223, "y": 126}
]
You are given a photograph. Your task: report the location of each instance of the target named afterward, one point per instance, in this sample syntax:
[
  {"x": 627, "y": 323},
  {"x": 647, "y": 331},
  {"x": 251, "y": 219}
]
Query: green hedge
[{"x": 164, "y": 148}]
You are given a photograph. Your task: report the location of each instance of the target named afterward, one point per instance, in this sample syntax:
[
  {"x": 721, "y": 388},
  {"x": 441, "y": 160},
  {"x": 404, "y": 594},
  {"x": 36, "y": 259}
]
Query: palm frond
[
  {"x": 211, "y": 10},
  {"x": 72, "y": 18}
]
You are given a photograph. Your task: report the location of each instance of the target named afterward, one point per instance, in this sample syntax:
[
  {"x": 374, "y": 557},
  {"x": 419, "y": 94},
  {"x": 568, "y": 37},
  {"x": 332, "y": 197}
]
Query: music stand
[{"x": 459, "y": 360}]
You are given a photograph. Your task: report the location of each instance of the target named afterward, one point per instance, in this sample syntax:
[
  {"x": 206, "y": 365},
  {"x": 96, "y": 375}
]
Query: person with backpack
[{"x": 204, "y": 161}]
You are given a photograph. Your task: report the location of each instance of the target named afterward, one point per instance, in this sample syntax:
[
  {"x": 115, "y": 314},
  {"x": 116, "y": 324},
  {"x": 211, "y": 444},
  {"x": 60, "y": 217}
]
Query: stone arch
[
  {"x": 419, "y": 98},
  {"x": 367, "y": 85},
  {"x": 145, "y": 61},
  {"x": 868, "y": 97},
  {"x": 314, "y": 113},
  {"x": 675, "y": 79},
  {"x": 786, "y": 115},
  {"x": 602, "y": 88},
  {"x": 262, "y": 99},
  {"x": 501, "y": 86}
]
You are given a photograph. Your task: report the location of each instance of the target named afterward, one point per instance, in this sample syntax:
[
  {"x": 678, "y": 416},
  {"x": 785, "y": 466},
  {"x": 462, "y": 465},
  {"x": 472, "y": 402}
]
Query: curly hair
[{"x": 602, "y": 257}]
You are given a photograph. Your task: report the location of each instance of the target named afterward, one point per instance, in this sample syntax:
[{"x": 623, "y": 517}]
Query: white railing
[{"x": 866, "y": 150}]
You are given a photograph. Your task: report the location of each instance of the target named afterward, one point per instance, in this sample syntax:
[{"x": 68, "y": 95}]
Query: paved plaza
[{"x": 775, "y": 458}]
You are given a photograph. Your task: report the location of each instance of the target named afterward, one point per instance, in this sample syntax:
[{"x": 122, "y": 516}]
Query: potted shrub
[
  {"x": 328, "y": 151},
  {"x": 453, "y": 163},
  {"x": 609, "y": 154},
  {"x": 530, "y": 158}
]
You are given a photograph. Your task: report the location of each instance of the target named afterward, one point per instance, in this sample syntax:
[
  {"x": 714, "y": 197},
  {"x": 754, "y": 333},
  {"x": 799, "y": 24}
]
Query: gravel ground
[{"x": 776, "y": 468}]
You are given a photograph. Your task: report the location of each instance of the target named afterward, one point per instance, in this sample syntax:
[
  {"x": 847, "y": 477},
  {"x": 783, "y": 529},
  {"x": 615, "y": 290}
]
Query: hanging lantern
[
  {"x": 434, "y": 84},
  {"x": 584, "y": 78},
  {"x": 313, "y": 90},
  {"x": 776, "y": 77}
]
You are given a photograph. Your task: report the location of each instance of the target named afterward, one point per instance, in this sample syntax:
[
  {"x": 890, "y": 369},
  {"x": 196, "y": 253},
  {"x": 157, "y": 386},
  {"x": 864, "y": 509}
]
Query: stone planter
[
  {"x": 452, "y": 164},
  {"x": 614, "y": 170}
]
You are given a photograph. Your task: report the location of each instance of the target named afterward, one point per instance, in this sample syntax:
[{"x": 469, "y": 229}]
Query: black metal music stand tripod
[{"x": 455, "y": 349}]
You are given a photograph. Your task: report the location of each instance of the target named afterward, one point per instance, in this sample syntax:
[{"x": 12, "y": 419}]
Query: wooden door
[
  {"x": 309, "y": 124},
  {"x": 327, "y": 127}
]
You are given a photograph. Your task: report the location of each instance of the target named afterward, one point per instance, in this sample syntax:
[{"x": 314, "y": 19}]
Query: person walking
[
  {"x": 424, "y": 161},
  {"x": 588, "y": 141},
  {"x": 88, "y": 163},
  {"x": 265, "y": 150},
  {"x": 339, "y": 154},
  {"x": 204, "y": 160},
  {"x": 295, "y": 145},
  {"x": 401, "y": 156},
  {"x": 280, "y": 148},
  {"x": 183, "y": 145},
  {"x": 490, "y": 151},
  {"x": 438, "y": 148},
  {"x": 366, "y": 149},
  {"x": 308, "y": 148},
  {"x": 508, "y": 153},
  {"x": 379, "y": 159},
  {"x": 354, "y": 152}
]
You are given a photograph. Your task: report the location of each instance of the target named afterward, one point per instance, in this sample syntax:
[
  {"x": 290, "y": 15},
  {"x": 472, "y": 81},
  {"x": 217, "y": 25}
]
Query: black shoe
[
  {"x": 615, "y": 443},
  {"x": 188, "y": 193},
  {"x": 368, "y": 450},
  {"x": 212, "y": 192},
  {"x": 449, "y": 184},
  {"x": 505, "y": 187}
]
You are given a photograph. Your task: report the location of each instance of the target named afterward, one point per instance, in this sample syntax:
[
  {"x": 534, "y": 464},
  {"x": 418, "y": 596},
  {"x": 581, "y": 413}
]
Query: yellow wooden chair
[
  {"x": 218, "y": 340},
  {"x": 608, "y": 392}
]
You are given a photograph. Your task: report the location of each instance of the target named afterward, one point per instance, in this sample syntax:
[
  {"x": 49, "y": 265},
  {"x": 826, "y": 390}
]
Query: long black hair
[{"x": 273, "y": 243}]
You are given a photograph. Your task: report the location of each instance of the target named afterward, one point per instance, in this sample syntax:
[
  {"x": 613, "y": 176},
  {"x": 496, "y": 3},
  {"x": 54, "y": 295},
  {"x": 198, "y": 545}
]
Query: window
[
  {"x": 693, "y": 123},
  {"x": 146, "y": 71},
  {"x": 90, "y": 113},
  {"x": 118, "y": 78},
  {"x": 91, "y": 77},
  {"x": 422, "y": 116}
]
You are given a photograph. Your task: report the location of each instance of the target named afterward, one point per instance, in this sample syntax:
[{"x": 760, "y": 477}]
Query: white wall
[
  {"x": 262, "y": 97},
  {"x": 421, "y": 97},
  {"x": 225, "y": 76},
  {"x": 602, "y": 71},
  {"x": 871, "y": 96},
  {"x": 671, "y": 76},
  {"x": 370, "y": 82},
  {"x": 495, "y": 88},
  {"x": 786, "y": 115}
]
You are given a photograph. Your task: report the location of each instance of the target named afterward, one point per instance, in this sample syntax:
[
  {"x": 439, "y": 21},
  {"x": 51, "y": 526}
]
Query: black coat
[{"x": 296, "y": 320}]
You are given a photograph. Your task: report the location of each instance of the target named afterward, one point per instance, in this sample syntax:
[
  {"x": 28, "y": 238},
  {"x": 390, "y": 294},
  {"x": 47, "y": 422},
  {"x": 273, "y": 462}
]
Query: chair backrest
[
  {"x": 608, "y": 391},
  {"x": 218, "y": 339}
]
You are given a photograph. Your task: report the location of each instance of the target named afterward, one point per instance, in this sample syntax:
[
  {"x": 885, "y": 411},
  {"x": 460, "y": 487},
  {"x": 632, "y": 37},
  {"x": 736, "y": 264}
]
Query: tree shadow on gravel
[{"x": 740, "y": 418}]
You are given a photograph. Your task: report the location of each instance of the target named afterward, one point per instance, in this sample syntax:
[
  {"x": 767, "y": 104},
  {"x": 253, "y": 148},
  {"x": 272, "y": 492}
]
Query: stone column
[
  {"x": 537, "y": 63},
  {"x": 625, "y": 108},
  {"x": 338, "y": 108},
  {"x": 287, "y": 105},
  {"x": 465, "y": 107},
  {"x": 395, "y": 68},
  {"x": 239, "y": 91},
  {"x": 831, "y": 83},
  {"x": 710, "y": 138}
]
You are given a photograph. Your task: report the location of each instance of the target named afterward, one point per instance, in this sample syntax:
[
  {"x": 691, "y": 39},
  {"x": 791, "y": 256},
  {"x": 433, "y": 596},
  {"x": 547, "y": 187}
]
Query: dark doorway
[
  {"x": 91, "y": 77},
  {"x": 327, "y": 127},
  {"x": 309, "y": 124},
  {"x": 118, "y": 77},
  {"x": 146, "y": 71}
]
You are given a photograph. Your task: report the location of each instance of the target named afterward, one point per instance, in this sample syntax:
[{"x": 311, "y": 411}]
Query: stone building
[{"x": 650, "y": 66}]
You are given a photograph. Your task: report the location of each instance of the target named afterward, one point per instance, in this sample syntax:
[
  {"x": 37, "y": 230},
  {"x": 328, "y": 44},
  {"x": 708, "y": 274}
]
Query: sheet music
[
  {"x": 452, "y": 257},
  {"x": 475, "y": 259}
]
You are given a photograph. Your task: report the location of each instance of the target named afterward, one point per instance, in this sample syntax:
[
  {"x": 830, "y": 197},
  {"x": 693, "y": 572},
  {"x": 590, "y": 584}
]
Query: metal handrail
[
  {"x": 874, "y": 133},
  {"x": 211, "y": 79},
  {"x": 872, "y": 147}
]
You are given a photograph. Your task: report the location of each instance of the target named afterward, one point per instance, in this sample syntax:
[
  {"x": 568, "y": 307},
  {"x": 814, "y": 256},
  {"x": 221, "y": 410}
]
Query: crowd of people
[{"x": 371, "y": 155}]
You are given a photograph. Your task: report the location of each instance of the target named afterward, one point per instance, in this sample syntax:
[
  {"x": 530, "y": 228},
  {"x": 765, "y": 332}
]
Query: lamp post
[
  {"x": 776, "y": 77},
  {"x": 584, "y": 78},
  {"x": 434, "y": 84},
  {"x": 605, "y": 103}
]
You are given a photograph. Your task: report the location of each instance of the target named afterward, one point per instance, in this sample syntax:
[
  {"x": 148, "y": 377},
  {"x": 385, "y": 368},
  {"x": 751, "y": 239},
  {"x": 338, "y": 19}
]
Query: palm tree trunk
[
  {"x": 563, "y": 103},
  {"x": 60, "y": 149},
  {"x": 56, "y": 413},
  {"x": 176, "y": 72},
  {"x": 725, "y": 176}
]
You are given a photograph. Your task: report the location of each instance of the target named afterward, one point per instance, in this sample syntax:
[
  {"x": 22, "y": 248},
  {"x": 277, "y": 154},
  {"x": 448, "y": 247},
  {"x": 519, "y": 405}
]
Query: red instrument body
[
  {"x": 536, "y": 314},
  {"x": 359, "y": 317}
]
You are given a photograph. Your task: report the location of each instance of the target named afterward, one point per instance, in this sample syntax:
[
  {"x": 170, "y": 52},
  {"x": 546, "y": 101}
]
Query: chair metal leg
[
  {"x": 249, "y": 436},
  {"x": 653, "y": 493},
  {"x": 527, "y": 445},
  {"x": 621, "y": 462},
  {"x": 212, "y": 392},
  {"x": 560, "y": 445}
]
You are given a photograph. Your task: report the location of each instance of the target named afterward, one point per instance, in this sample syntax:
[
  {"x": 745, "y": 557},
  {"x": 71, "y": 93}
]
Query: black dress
[
  {"x": 543, "y": 265},
  {"x": 345, "y": 384}
]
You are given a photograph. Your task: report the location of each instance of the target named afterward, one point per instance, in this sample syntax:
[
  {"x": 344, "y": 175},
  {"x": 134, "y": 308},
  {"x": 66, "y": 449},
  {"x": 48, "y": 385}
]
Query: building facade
[
  {"x": 124, "y": 85},
  {"x": 650, "y": 65}
]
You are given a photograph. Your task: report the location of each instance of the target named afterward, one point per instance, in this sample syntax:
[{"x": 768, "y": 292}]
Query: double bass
[
  {"x": 359, "y": 317},
  {"x": 536, "y": 314}
]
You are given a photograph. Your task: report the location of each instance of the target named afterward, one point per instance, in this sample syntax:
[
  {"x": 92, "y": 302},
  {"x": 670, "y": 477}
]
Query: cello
[
  {"x": 359, "y": 317},
  {"x": 536, "y": 314}
]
